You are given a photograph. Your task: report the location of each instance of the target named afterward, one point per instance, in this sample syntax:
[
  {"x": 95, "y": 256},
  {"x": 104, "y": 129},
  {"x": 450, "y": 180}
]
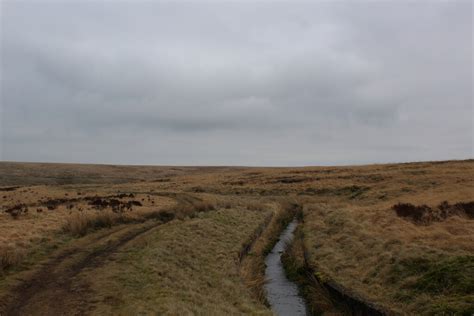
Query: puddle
[{"x": 282, "y": 294}]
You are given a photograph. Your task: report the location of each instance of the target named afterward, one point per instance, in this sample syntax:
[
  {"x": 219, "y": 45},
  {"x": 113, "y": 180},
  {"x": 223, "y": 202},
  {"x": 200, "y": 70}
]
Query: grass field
[{"x": 191, "y": 240}]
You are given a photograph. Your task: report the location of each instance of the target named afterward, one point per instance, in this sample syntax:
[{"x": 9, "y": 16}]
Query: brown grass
[
  {"x": 318, "y": 299},
  {"x": 186, "y": 267},
  {"x": 252, "y": 268},
  {"x": 380, "y": 244},
  {"x": 79, "y": 223},
  {"x": 351, "y": 229},
  {"x": 10, "y": 256}
]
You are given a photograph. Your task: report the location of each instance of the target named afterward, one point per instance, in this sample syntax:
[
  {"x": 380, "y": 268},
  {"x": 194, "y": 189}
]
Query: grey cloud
[{"x": 236, "y": 83}]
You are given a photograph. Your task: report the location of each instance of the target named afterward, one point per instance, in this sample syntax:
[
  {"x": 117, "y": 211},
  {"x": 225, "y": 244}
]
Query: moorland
[{"x": 105, "y": 239}]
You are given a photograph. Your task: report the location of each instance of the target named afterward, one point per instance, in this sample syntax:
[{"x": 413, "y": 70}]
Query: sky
[{"x": 236, "y": 83}]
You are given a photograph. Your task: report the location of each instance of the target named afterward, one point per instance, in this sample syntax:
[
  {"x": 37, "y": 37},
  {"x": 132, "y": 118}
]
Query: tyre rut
[{"x": 56, "y": 288}]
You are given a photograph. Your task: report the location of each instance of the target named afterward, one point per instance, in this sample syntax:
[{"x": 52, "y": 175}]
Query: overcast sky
[{"x": 241, "y": 83}]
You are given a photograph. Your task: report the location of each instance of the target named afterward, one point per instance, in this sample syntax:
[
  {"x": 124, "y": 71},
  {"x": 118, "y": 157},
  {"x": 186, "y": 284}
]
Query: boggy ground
[{"x": 90, "y": 239}]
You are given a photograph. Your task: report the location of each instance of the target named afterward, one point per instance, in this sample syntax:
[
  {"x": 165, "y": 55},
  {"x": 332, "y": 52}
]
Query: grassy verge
[
  {"x": 186, "y": 267},
  {"x": 252, "y": 267},
  {"x": 318, "y": 299}
]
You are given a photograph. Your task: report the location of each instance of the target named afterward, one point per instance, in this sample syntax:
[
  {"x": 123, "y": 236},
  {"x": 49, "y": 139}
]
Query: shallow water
[{"x": 282, "y": 294}]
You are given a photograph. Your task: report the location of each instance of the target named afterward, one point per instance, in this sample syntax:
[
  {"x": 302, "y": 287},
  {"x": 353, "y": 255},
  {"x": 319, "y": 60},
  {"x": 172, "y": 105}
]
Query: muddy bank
[{"x": 282, "y": 294}]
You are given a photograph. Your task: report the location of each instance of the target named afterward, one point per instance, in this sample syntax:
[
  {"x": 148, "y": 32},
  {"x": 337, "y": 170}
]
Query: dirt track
[{"x": 56, "y": 288}]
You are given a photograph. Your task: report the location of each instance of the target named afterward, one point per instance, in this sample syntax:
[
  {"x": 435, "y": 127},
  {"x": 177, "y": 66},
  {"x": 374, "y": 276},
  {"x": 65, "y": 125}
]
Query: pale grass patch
[
  {"x": 256, "y": 206},
  {"x": 11, "y": 255},
  {"x": 80, "y": 222}
]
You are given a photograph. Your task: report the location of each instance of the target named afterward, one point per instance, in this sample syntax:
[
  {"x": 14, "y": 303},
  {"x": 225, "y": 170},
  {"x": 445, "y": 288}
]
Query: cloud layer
[{"x": 236, "y": 83}]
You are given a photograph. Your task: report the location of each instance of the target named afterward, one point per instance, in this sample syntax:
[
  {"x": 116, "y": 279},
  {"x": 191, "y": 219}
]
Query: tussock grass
[
  {"x": 79, "y": 223},
  {"x": 10, "y": 256},
  {"x": 256, "y": 205}
]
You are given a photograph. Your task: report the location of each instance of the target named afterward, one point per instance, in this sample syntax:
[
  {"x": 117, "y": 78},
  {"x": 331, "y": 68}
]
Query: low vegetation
[
  {"x": 79, "y": 223},
  {"x": 318, "y": 299},
  {"x": 404, "y": 244},
  {"x": 193, "y": 240},
  {"x": 184, "y": 268},
  {"x": 424, "y": 214},
  {"x": 10, "y": 256},
  {"x": 252, "y": 259},
  {"x": 448, "y": 281}
]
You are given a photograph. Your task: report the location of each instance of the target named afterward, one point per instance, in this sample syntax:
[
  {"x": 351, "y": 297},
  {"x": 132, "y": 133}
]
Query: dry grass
[
  {"x": 362, "y": 244},
  {"x": 365, "y": 252},
  {"x": 10, "y": 256},
  {"x": 186, "y": 267},
  {"x": 352, "y": 233},
  {"x": 79, "y": 223},
  {"x": 252, "y": 268},
  {"x": 318, "y": 299},
  {"x": 23, "y": 233}
]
